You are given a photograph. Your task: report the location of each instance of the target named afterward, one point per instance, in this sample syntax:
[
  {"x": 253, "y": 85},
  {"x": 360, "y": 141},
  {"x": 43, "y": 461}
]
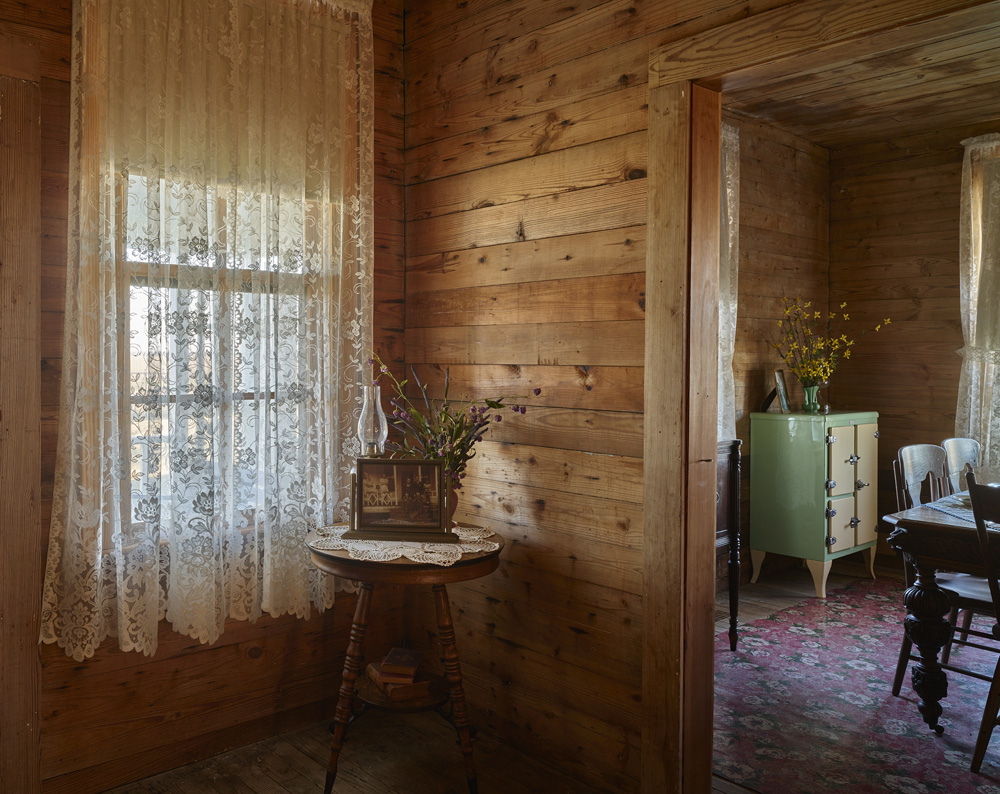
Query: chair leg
[
  {"x": 953, "y": 620},
  {"x": 904, "y": 660},
  {"x": 990, "y": 712},
  {"x": 966, "y": 624}
]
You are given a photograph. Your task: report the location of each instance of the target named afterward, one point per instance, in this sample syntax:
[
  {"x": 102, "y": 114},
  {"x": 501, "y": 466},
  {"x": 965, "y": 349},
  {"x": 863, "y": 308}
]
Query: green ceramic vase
[{"x": 811, "y": 404}]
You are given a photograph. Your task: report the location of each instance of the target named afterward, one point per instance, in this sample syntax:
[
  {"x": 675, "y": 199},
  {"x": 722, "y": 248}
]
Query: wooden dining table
[{"x": 940, "y": 535}]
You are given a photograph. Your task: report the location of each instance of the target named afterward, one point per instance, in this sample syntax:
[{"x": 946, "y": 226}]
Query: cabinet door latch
[
  {"x": 831, "y": 512},
  {"x": 831, "y": 484},
  {"x": 859, "y": 484},
  {"x": 831, "y": 541},
  {"x": 855, "y": 521},
  {"x": 853, "y": 460},
  {"x": 831, "y": 439}
]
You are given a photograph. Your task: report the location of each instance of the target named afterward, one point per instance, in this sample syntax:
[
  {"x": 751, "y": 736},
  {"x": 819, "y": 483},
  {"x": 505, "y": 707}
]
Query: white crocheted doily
[{"x": 473, "y": 540}]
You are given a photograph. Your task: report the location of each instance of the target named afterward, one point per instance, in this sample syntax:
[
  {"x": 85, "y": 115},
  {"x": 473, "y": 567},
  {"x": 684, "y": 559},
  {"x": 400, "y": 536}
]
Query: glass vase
[
  {"x": 373, "y": 428},
  {"x": 811, "y": 404}
]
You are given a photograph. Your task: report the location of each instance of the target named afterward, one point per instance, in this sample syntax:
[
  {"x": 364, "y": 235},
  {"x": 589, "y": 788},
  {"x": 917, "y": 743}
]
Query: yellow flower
[
  {"x": 847, "y": 317},
  {"x": 878, "y": 328},
  {"x": 815, "y": 315},
  {"x": 886, "y": 321},
  {"x": 843, "y": 305},
  {"x": 847, "y": 354}
]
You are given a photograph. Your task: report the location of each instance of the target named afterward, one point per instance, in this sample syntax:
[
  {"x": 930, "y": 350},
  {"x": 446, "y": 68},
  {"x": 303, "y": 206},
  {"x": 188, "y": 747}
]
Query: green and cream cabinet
[{"x": 813, "y": 488}]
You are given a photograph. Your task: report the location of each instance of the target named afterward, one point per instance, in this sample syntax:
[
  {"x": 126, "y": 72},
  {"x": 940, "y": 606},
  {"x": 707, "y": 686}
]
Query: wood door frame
[{"x": 686, "y": 79}]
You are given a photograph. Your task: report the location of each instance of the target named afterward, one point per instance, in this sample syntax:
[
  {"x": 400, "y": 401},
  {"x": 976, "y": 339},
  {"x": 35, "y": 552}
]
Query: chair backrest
[
  {"x": 920, "y": 465},
  {"x": 986, "y": 507},
  {"x": 961, "y": 452}
]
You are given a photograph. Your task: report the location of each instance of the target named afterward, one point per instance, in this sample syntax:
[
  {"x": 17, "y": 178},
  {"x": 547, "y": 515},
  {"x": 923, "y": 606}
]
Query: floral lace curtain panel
[
  {"x": 729, "y": 260},
  {"x": 978, "y": 412},
  {"x": 218, "y": 315}
]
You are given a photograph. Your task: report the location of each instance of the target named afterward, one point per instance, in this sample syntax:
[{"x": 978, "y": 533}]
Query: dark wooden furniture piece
[
  {"x": 985, "y": 501},
  {"x": 403, "y": 572},
  {"x": 919, "y": 474},
  {"x": 727, "y": 524},
  {"x": 930, "y": 540}
]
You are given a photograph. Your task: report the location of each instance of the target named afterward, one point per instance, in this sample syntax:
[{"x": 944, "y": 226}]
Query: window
[{"x": 218, "y": 314}]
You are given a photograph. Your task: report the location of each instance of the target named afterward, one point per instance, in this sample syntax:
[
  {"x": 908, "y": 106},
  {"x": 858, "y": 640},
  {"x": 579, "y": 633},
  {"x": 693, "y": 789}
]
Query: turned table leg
[
  {"x": 734, "y": 582},
  {"x": 927, "y": 626},
  {"x": 352, "y": 668},
  {"x": 453, "y": 675}
]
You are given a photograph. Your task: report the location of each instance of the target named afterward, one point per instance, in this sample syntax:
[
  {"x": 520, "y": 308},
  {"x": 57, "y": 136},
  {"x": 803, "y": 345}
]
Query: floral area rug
[{"x": 805, "y": 704}]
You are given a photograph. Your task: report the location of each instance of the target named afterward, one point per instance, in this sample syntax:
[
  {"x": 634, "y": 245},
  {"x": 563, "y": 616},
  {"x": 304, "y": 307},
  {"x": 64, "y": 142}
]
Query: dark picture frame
[
  {"x": 782, "y": 388},
  {"x": 404, "y": 499}
]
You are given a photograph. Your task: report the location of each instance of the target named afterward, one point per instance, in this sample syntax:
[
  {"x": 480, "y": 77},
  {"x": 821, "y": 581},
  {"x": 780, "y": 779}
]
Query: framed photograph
[
  {"x": 782, "y": 389},
  {"x": 400, "y": 500}
]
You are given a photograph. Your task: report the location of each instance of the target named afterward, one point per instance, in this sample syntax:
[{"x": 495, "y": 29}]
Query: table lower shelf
[{"x": 369, "y": 694}]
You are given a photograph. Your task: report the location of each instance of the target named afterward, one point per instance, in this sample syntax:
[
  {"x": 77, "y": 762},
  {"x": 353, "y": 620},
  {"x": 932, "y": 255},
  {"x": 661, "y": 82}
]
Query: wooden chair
[
  {"x": 986, "y": 507},
  {"x": 919, "y": 472},
  {"x": 961, "y": 453},
  {"x": 920, "y": 469}
]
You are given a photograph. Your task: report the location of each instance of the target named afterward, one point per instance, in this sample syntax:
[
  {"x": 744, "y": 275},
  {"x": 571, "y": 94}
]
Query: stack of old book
[{"x": 399, "y": 676}]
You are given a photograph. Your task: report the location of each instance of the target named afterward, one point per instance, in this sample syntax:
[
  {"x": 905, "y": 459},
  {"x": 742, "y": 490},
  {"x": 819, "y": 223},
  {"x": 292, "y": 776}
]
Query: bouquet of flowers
[
  {"x": 445, "y": 429},
  {"x": 809, "y": 344}
]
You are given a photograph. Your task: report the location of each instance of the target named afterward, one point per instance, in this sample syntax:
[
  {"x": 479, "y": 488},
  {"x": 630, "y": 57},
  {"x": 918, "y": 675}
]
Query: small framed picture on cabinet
[{"x": 782, "y": 389}]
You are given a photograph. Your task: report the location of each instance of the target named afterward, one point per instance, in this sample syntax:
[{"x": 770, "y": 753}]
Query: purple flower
[
  {"x": 522, "y": 409},
  {"x": 498, "y": 418},
  {"x": 371, "y": 361},
  {"x": 514, "y": 408},
  {"x": 536, "y": 391}
]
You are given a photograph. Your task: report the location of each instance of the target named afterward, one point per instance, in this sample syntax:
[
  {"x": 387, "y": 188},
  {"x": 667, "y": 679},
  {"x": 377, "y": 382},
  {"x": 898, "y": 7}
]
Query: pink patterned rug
[{"x": 805, "y": 704}]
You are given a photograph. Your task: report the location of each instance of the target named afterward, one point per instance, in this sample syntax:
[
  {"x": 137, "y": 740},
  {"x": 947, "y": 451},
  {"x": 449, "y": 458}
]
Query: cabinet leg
[
  {"x": 453, "y": 675},
  {"x": 756, "y": 561},
  {"x": 820, "y": 571},
  {"x": 352, "y": 667},
  {"x": 870, "y": 560}
]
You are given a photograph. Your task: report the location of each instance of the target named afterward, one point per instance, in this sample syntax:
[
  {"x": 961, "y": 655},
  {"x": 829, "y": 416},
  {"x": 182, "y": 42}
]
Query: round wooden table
[{"x": 405, "y": 572}]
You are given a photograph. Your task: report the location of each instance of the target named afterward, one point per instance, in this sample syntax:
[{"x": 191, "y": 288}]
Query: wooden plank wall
[
  {"x": 894, "y": 253},
  {"x": 784, "y": 244},
  {"x": 120, "y": 716},
  {"x": 526, "y": 160},
  {"x": 20, "y": 453}
]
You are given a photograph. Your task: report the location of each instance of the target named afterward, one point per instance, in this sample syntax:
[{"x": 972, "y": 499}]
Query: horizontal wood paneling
[
  {"x": 589, "y": 254},
  {"x": 572, "y": 212},
  {"x": 601, "y": 299},
  {"x": 606, "y": 388},
  {"x": 894, "y": 253},
  {"x": 526, "y": 207},
  {"x": 567, "y": 343},
  {"x": 509, "y": 139}
]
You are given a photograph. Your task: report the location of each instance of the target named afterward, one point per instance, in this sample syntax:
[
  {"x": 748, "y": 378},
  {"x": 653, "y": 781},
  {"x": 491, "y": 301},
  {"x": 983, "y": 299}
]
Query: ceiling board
[{"x": 885, "y": 86}]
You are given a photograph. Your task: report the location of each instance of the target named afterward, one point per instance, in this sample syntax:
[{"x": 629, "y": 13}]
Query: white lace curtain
[
  {"x": 978, "y": 412},
  {"x": 218, "y": 314},
  {"x": 729, "y": 260}
]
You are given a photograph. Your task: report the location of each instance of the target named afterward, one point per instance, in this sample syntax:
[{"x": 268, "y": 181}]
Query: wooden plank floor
[
  {"x": 384, "y": 754},
  {"x": 418, "y": 753}
]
